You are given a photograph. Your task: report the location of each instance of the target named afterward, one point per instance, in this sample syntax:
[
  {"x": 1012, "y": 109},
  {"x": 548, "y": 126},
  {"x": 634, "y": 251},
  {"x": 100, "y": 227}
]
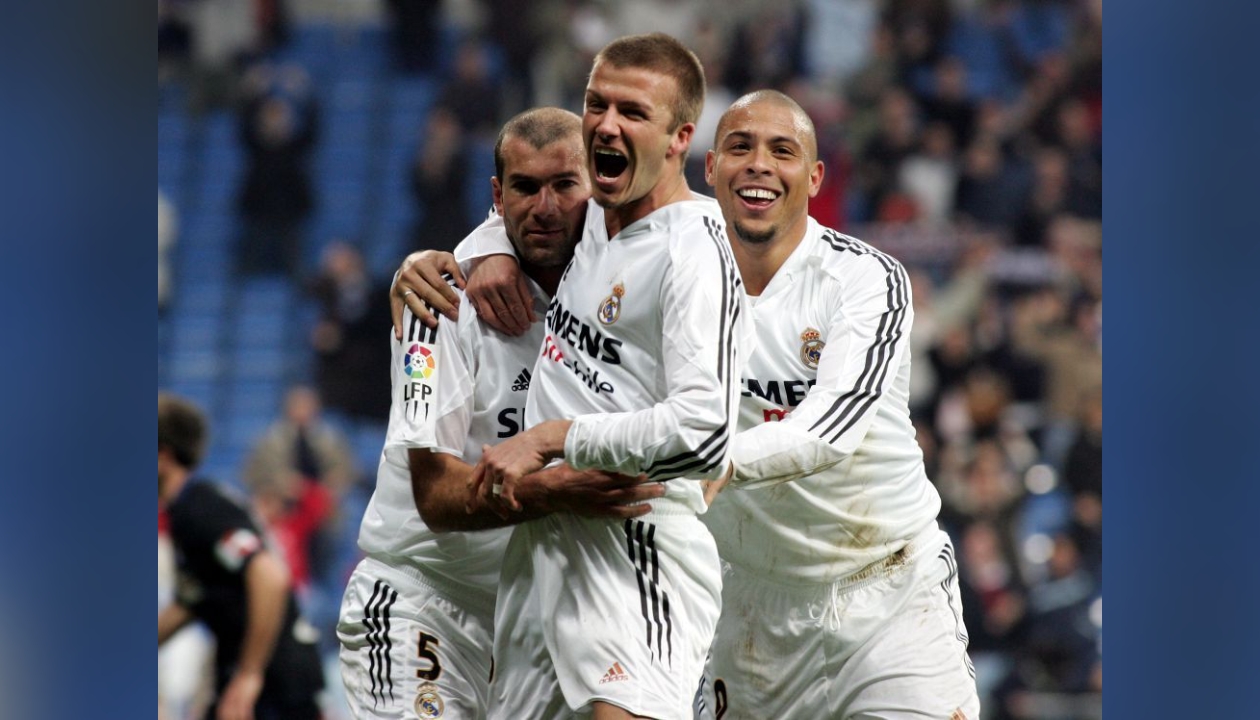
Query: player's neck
[
  {"x": 547, "y": 278},
  {"x": 760, "y": 262},
  {"x": 672, "y": 188}
]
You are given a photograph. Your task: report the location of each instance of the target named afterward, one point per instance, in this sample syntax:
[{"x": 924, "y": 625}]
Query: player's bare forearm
[
  {"x": 498, "y": 290},
  {"x": 440, "y": 487},
  {"x": 419, "y": 281},
  {"x": 593, "y": 493},
  {"x": 502, "y": 466},
  {"x": 171, "y": 620}
]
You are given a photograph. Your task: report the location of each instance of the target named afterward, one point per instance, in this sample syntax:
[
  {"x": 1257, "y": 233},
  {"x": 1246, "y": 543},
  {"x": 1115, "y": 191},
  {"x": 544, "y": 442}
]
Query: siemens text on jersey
[{"x": 583, "y": 337}]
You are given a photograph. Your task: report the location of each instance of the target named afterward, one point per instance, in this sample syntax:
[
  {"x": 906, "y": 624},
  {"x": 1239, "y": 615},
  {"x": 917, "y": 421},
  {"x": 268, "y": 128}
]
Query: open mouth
[
  {"x": 609, "y": 164},
  {"x": 757, "y": 197}
]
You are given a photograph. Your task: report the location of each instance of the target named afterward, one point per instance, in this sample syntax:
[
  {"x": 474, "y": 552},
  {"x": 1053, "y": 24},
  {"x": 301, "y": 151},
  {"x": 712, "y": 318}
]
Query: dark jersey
[{"x": 215, "y": 539}]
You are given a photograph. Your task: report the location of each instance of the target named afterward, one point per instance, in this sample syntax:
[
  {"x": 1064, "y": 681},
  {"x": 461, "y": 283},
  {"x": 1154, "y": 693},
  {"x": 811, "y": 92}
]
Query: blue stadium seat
[
  {"x": 220, "y": 130},
  {"x": 204, "y": 295},
  {"x": 255, "y": 397},
  {"x": 349, "y": 95},
  {"x": 172, "y": 130},
  {"x": 201, "y": 365},
  {"x": 261, "y": 330},
  {"x": 201, "y": 392},
  {"x": 191, "y": 332},
  {"x": 243, "y": 430},
  {"x": 261, "y": 363}
]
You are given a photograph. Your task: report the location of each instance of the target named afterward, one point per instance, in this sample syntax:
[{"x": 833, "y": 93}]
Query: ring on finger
[{"x": 409, "y": 292}]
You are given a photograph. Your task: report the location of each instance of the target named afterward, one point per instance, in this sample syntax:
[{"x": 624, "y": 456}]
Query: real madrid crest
[
  {"x": 610, "y": 308},
  {"x": 811, "y": 347},
  {"x": 429, "y": 704}
]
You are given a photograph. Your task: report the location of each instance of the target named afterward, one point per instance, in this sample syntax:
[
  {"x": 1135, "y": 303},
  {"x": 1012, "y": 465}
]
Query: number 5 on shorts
[{"x": 435, "y": 666}]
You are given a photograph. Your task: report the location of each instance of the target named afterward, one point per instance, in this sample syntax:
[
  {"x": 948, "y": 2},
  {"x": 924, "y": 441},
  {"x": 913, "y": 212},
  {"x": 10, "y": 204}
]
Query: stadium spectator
[
  {"x": 881, "y": 158},
  {"x": 439, "y": 181},
  {"x": 473, "y": 94},
  {"x": 1060, "y": 336},
  {"x": 1084, "y": 159},
  {"x": 940, "y": 312},
  {"x": 1060, "y": 643},
  {"x": 1048, "y": 198},
  {"x": 929, "y": 176},
  {"x": 949, "y": 101},
  {"x": 297, "y": 472},
  {"x": 174, "y": 41},
  {"x": 1083, "y": 477},
  {"x": 766, "y": 47},
  {"x": 987, "y": 192},
  {"x": 278, "y": 127},
  {"x": 223, "y": 34},
  {"x": 354, "y": 313},
  {"x": 921, "y": 28},
  {"x": 414, "y": 34},
  {"x": 867, "y": 86}
]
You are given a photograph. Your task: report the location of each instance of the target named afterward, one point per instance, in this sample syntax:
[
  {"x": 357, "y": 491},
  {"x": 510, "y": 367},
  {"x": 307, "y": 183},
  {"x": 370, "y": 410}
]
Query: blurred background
[{"x": 305, "y": 146}]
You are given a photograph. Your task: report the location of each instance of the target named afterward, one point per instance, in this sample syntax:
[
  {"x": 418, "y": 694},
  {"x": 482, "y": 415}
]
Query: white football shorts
[
  {"x": 604, "y": 610},
  {"x": 888, "y": 643},
  {"x": 410, "y": 650}
]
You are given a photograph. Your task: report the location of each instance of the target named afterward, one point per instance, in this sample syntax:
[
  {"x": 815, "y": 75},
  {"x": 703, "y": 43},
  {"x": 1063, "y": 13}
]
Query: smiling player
[{"x": 840, "y": 596}]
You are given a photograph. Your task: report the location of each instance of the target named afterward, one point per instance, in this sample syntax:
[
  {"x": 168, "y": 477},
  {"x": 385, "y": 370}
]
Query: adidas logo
[
  {"x": 614, "y": 674},
  {"x": 521, "y": 382}
]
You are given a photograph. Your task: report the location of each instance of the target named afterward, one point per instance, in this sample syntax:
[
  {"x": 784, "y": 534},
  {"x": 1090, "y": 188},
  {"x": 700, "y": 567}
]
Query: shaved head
[{"x": 806, "y": 134}]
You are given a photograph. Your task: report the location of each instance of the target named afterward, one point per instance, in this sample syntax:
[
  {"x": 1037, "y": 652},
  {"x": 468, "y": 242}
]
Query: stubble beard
[{"x": 754, "y": 237}]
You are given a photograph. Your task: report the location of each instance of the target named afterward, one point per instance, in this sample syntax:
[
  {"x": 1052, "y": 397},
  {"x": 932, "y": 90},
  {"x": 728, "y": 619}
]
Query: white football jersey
[
  {"x": 829, "y": 477},
  {"x": 454, "y": 389},
  {"x": 644, "y": 345}
]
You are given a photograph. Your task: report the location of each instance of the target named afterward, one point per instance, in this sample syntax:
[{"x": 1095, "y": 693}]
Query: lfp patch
[{"x": 419, "y": 362}]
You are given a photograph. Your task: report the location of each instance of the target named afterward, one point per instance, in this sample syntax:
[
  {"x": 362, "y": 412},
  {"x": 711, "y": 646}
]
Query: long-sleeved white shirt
[
  {"x": 454, "y": 389},
  {"x": 645, "y": 342},
  {"x": 829, "y": 477}
]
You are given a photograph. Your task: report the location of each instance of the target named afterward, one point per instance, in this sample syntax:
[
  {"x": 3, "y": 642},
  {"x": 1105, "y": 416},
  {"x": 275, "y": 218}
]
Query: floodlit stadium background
[{"x": 304, "y": 147}]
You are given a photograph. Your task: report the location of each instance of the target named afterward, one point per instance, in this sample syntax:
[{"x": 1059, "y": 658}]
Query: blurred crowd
[{"x": 962, "y": 136}]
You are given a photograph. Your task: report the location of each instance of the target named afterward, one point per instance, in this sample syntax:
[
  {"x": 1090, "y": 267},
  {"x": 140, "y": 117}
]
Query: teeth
[
  {"x": 606, "y": 151},
  {"x": 756, "y": 194}
]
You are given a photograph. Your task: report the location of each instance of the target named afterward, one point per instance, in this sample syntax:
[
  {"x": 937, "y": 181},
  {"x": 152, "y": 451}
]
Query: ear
[
  {"x": 710, "y": 159},
  {"x": 496, "y": 192},
  {"x": 681, "y": 140},
  {"x": 816, "y": 177}
]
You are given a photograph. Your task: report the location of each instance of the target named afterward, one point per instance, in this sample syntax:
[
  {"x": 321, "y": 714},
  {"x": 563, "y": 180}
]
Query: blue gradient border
[{"x": 1182, "y": 257}]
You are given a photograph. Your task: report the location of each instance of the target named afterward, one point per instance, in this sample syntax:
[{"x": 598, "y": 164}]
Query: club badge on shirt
[
  {"x": 610, "y": 308},
  {"x": 429, "y": 704},
  {"x": 811, "y": 347}
]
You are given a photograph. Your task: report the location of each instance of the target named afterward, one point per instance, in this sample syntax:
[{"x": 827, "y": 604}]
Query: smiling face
[
  {"x": 764, "y": 169},
  {"x": 628, "y": 129},
  {"x": 542, "y": 199}
]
